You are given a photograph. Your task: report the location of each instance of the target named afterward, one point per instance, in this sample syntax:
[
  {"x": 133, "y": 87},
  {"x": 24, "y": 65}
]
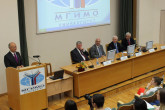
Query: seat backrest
[
  {"x": 106, "y": 48},
  {"x": 88, "y": 50},
  {"x": 71, "y": 59},
  {"x": 48, "y": 65},
  {"x": 126, "y": 106},
  {"x": 49, "y": 69},
  {"x": 150, "y": 97},
  {"x": 135, "y": 40},
  {"x": 120, "y": 41}
]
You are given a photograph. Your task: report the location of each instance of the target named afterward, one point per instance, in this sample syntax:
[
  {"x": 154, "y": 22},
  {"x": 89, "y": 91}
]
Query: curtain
[
  {"x": 125, "y": 17},
  {"x": 22, "y": 32}
]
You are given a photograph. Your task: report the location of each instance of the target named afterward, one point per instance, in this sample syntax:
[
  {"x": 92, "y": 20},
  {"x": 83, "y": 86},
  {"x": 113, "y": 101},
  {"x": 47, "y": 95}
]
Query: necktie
[
  {"x": 117, "y": 51},
  {"x": 129, "y": 42},
  {"x": 15, "y": 56},
  {"x": 100, "y": 52},
  {"x": 83, "y": 54}
]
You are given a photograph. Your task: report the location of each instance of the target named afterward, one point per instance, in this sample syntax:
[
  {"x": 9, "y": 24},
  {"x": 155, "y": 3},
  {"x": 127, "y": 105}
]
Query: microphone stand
[
  {"x": 39, "y": 63},
  {"x": 103, "y": 59},
  {"x": 91, "y": 66}
]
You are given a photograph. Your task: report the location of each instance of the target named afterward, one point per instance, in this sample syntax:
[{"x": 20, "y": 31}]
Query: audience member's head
[
  {"x": 161, "y": 96},
  {"x": 128, "y": 35},
  {"x": 156, "y": 81},
  {"x": 140, "y": 104},
  {"x": 98, "y": 101},
  {"x": 98, "y": 41},
  {"x": 12, "y": 46},
  {"x": 70, "y": 105},
  {"x": 115, "y": 39},
  {"x": 79, "y": 45}
]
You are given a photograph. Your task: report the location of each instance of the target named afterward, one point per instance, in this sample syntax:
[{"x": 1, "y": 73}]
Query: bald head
[
  {"x": 115, "y": 39},
  {"x": 97, "y": 41},
  {"x": 12, "y": 46}
]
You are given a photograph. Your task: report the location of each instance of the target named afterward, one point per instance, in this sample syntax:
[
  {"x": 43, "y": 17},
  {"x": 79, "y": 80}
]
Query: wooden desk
[
  {"x": 58, "y": 86},
  {"x": 101, "y": 76}
]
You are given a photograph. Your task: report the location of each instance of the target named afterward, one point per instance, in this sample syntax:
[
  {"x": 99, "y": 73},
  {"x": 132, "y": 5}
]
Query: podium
[{"x": 27, "y": 88}]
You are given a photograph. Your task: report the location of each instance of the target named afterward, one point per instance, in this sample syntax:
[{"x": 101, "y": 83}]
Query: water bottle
[
  {"x": 122, "y": 54},
  {"x": 140, "y": 49},
  {"x": 97, "y": 61}
]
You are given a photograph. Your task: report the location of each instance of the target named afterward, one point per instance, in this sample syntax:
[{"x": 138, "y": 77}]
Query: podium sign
[
  {"x": 32, "y": 80},
  {"x": 27, "y": 87}
]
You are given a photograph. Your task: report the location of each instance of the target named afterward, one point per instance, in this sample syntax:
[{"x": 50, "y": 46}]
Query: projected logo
[
  {"x": 32, "y": 79},
  {"x": 73, "y": 3}
]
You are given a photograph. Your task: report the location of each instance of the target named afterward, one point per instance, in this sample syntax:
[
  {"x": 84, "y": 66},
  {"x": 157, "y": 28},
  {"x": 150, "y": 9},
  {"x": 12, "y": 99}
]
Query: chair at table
[
  {"x": 48, "y": 65},
  {"x": 149, "y": 98},
  {"x": 88, "y": 50},
  {"x": 125, "y": 106},
  {"x": 71, "y": 59},
  {"x": 106, "y": 48}
]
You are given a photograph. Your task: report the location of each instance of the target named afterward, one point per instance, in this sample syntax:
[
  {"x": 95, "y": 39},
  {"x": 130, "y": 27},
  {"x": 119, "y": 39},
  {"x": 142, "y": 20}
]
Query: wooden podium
[{"x": 27, "y": 88}]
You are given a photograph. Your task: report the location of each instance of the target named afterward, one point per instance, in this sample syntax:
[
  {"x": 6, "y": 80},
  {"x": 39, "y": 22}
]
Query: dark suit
[
  {"x": 94, "y": 51},
  {"x": 10, "y": 61},
  {"x": 111, "y": 46},
  {"x": 125, "y": 43},
  {"x": 76, "y": 56}
]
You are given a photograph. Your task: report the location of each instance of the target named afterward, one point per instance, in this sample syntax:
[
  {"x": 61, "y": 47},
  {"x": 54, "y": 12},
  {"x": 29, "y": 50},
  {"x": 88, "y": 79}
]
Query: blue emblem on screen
[
  {"x": 32, "y": 79},
  {"x": 73, "y": 3}
]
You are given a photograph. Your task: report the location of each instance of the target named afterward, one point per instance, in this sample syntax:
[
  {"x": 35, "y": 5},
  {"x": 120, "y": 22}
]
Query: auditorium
[{"x": 82, "y": 55}]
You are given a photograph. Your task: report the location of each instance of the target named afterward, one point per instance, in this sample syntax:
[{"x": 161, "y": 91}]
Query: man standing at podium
[
  {"x": 79, "y": 54},
  {"x": 13, "y": 58}
]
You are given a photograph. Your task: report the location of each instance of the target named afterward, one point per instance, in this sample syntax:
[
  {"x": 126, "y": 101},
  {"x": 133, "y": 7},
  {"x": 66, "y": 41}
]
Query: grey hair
[
  {"x": 78, "y": 42},
  {"x": 115, "y": 37},
  {"x": 128, "y": 34},
  {"x": 9, "y": 45}
]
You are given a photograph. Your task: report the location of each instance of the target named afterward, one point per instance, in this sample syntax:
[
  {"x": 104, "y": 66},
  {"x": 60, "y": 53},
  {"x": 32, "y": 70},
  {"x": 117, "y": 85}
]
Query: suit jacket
[
  {"x": 76, "y": 56},
  {"x": 111, "y": 46},
  {"x": 10, "y": 61},
  {"x": 125, "y": 43},
  {"x": 94, "y": 51}
]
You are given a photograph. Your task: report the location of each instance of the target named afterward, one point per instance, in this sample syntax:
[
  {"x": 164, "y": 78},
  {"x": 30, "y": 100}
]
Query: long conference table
[{"x": 100, "y": 77}]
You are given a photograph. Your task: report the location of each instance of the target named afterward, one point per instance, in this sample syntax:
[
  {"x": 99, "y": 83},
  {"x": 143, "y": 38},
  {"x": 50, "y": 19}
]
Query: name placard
[
  {"x": 162, "y": 47},
  {"x": 151, "y": 50},
  {"x": 124, "y": 58},
  {"x": 107, "y": 63},
  {"x": 138, "y": 54}
]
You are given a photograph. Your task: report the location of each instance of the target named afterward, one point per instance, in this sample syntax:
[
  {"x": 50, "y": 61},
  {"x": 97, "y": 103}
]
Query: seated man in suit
[
  {"x": 79, "y": 54},
  {"x": 128, "y": 40},
  {"x": 13, "y": 58},
  {"x": 115, "y": 45},
  {"x": 97, "y": 50}
]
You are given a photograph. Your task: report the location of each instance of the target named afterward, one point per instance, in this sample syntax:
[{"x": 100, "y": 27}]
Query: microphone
[
  {"x": 91, "y": 66},
  {"x": 155, "y": 48},
  {"x": 103, "y": 59},
  {"x": 119, "y": 56},
  {"x": 35, "y": 56},
  {"x": 38, "y": 57}
]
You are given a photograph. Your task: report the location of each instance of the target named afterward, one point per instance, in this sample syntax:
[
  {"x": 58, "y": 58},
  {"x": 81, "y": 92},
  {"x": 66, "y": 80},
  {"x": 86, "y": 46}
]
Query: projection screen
[{"x": 58, "y": 15}]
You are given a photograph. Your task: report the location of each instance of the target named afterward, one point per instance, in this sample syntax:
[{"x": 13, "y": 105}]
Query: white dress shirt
[
  {"x": 13, "y": 53},
  {"x": 81, "y": 54},
  {"x": 152, "y": 90}
]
